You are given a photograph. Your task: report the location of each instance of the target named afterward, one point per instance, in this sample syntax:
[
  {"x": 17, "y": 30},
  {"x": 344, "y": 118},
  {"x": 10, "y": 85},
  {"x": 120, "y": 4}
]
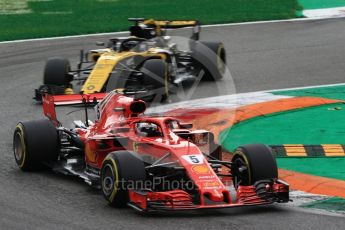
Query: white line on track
[
  {"x": 305, "y": 87},
  {"x": 204, "y": 26},
  {"x": 271, "y": 21},
  {"x": 326, "y": 12},
  {"x": 64, "y": 37}
]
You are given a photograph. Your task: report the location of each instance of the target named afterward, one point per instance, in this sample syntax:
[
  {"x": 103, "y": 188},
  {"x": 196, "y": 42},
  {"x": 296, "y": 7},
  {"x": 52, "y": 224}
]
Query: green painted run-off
[
  {"x": 320, "y": 4},
  {"x": 315, "y": 125},
  {"x": 332, "y": 204},
  {"x": 333, "y": 92}
]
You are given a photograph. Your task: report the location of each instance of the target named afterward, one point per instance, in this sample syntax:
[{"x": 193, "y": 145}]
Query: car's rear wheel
[
  {"x": 121, "y": 170},
  {"x": 252, "y": 163},
  {"x": 35, "y": 143},
  {"x": 211, "y": 58},
  {"x": 56, "y": 75},
  {"x": 156, "y": 74}
]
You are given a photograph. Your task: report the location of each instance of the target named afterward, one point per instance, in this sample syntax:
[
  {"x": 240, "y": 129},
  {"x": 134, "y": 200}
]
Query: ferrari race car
[
  {"x": 149, "y": 163},
  {"x": 146, "y": 62}
]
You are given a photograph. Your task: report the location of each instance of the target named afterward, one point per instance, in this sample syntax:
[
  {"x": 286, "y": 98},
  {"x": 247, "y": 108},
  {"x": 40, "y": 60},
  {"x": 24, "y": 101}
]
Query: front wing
[{"x": 261, "y": 193}]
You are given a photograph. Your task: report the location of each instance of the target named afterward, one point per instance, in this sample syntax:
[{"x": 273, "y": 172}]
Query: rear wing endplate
[{"x": 50, "y": 101}]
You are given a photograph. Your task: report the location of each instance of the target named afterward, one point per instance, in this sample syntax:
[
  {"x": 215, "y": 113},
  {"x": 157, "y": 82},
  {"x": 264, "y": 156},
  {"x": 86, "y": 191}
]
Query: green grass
[{"x": 66, "y": 17}]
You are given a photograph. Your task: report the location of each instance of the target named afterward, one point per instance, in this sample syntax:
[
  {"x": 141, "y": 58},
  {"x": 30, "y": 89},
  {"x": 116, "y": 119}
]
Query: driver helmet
[
  {"x": 128, "y": 45},
  {"x": 149, "y": 129}
]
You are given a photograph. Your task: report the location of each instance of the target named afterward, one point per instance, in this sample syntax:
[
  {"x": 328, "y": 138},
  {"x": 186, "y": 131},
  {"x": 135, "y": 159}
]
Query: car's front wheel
[
  {"x": 252, "y": 163},
  {"x": 120, "y": 171},
  {"x": 156, "y": 74},
  {"x": 56, "y": 75},
  {"x": 210, "y": 57}
]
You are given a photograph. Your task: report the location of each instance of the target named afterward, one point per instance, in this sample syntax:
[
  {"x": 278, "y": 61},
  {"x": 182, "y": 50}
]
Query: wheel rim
[
  {"x": 240, "y": 172},
  {"x": 108, "y": 180},
  {"x": 19, "y": 148}
]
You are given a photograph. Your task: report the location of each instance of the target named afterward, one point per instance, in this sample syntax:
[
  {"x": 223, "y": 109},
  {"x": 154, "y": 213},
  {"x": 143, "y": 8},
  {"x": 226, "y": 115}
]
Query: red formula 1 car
[{"x": 146, "y": 162}]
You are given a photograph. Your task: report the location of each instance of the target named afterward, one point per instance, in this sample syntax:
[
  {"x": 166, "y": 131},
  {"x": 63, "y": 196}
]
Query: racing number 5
[{"x": 194, "y": 159}]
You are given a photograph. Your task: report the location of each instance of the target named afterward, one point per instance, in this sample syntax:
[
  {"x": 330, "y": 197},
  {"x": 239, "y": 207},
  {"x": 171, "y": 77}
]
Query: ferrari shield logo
[{"x": 135, "y": 146}]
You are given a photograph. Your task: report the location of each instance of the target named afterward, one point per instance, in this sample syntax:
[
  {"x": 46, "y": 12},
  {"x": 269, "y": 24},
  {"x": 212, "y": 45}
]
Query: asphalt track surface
[{"x": 261, "y": 57}]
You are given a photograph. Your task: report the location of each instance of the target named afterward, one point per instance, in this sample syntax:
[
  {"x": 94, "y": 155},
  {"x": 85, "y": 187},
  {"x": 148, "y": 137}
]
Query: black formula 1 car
[{"x": 145, "y": 63}]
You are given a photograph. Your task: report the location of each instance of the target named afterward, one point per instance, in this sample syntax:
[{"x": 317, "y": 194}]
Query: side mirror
[
  {"x": 173, "y": 46},
  {"x": 122, "y": 130},
  {"x": 100, "y": 44},
  {"x": 166, "y": 38}
]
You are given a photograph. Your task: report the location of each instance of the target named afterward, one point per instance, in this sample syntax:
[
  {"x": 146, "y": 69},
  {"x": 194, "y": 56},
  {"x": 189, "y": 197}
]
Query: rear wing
[
  {"x": 158, "y": 25},
  {"x": 175, "y": 24},
  {"x": 172, "y": 24},
  {"x": 49, "y": 102},
  {"x": 76, "y": 99}
]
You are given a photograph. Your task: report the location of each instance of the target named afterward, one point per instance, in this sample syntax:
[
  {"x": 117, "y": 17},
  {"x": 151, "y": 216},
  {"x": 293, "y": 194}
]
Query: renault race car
[
  {"x": 146, "y": 62},
  {"x": 146, "y": 162}
]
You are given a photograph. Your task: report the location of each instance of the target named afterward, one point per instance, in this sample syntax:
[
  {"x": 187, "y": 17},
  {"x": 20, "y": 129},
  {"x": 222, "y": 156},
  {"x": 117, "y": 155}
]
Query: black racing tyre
[
  {"x": 156, "y": 74},
  {"x": 56, "y": 72},
  {"x": 34, "y": 143},
  {"x": 211, "y": 58},
  {"x": 120, "y": 170},
  {"x": 252, "y": 163}
]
